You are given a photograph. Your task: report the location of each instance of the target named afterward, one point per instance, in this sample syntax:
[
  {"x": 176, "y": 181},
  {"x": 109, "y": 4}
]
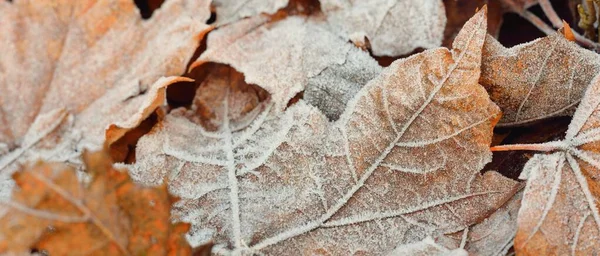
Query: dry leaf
[
  {"x": 427, "y": 247},
  {"x": 493, "y": 236},
  {"x": 560, "y": 215},
  {"x": 52, "y": 211},
  {"x": 393, "y": 27},
  {"x": 400, "y": 164},
  {"x": 68, "y": 69},
  {"x": 287, "y": 56},
  {"x": 230, "y": 11},
  {"x": 537, "y": 80}
]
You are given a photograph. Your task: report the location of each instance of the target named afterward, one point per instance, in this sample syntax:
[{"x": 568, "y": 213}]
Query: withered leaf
[
  {"x": 537, "y": 80},
  {"x": 289, "y": 56},
  {"x": 402, "y": 163},
  {"x": 560, "y": 212},
  {"x": 393, "y": 27},
  {"x": 427, "y": 247},
  {"x": 492, "y": 236},
  {"x": 229, "y": 11},
  {"x": 52, "y": 211},
  {"x": 69, "y": 69}
]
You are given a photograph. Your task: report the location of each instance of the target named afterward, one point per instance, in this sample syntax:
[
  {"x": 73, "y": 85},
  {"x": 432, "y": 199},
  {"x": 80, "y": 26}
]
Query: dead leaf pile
[{"x": 295, "y": 127}]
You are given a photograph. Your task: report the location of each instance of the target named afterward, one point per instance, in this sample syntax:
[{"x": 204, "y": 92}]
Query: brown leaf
[
  {"x": 536, "y": 80},
  {"x": 560, "y": 212},
  {"x": 52, "y": 211},
  {"x": 393, "y": 27},
  {"x": 289, "y": 56},
  {"x": 492, "y": 236},
  {"x": 401, "y": 163},
  {"x": 69, "y": 69}
]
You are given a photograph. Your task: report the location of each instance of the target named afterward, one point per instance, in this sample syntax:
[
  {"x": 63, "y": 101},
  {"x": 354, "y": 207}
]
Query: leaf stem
[{"x": 545, "y": 147}]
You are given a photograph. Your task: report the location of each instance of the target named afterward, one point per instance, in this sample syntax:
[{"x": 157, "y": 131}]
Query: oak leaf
[
  {"x": 288, "y": 56},
  {"x": 537, "y": 80},
  {"x": 392, "y": 27},
  {"x": 402, "y": 163},
  {"x": 52, "y": 211},
  {"x": 559, "y": 213},
  {"x": 69, "y": 69}
]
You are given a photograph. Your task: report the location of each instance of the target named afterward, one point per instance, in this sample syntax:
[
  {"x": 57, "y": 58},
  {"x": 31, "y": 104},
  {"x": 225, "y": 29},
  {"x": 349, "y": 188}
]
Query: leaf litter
[{"x": 296, "y": 139}]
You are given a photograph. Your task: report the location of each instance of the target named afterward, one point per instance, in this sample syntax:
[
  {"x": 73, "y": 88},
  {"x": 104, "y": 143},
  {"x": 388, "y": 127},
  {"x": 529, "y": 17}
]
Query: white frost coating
[
  {"x": 426, "y": 247},
  {"x": 291, "y": 55},
  {"x": 393, "y": 27},
  {"x": 296, "y": 173},
  {"x": 556, "y": 188},
  {"x": 537, "y": 80},
  {"x": 229, "y": 11},
  {"x": 55, "y": 56}
]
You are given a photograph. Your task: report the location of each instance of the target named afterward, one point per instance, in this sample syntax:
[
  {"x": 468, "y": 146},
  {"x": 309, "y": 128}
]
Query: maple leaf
[
  {"x": 393, "y": 27},
  {"x": 69, "y": 69},
  {"x": 537, "y": 80},
  {"x": 559, "y": 214},
  {"x": 54, "y": 212},
  {"x": 288, "y": 56},
  {"x": 400, "y": 164},
  {"x": 230, "y": 11}
]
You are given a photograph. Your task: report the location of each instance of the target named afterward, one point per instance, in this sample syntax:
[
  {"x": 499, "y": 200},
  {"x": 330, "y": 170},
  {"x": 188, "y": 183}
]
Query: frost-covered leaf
[
  {"x": 491, "y": 237},
  {"x": 229, "y": 11},
  {"x": 393, "y": 27},
  {"x": 560, "y": 214},
  {"x": 537, "y": 80},
  {"x": 52, "y": 211},
  {"x": 287, "y": 56},
  {"x": 402, "y": 163},
  {"x": 426, "y": 247},
  {"x": 69, "y": 69}
]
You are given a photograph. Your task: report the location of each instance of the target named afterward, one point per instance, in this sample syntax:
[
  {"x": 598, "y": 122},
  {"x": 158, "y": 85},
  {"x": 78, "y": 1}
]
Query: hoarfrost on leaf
[
  {"x": 288, "y": 56},
  {"x": 62, "y": 77},
  {"x": 293, "y": 181},
  {"x": 393, "y": 27},
  {"x": 559, "y": 213},
  {"x": 537, "y": 80}
]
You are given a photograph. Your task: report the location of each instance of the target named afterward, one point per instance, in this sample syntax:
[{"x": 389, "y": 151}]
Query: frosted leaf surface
[
  {"x": 492, "y": 236},
  {"x": 537, "y": 80},
  {"x": 393, "y": 27},
  {"x": 229, "y": 11},
  {"x": 402, "y": 163},
  {"x": 560, "y": 212},
  {"x": 287, "y": 56},
  {"x": 69, "y": 69},
  {"x": 426, "y": 247}
]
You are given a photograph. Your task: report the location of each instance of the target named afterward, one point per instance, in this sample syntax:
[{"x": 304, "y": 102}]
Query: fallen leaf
[
  {"x": 288, "y": 56},
  {"x": 559, "y": 213},
  {"x": 492, "y": 236},
  {"x": 393, "y": 27},
  {"x": 69, "y": 69},
  {"x": 230, "y": 11},
  {"x": 537, "y": 80},
  {"x": 427, "y": 247},
  {"x": 52, "y": 211},
  {"x": 400, "y": 164}
]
